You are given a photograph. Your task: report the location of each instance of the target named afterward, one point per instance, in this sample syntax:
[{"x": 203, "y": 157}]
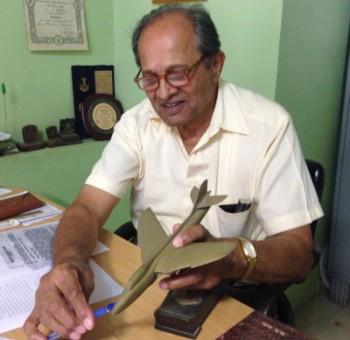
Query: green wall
[
  {"x": 312, "y": 55},
  {"x": 292, "y": 51},
  {"x": 39, "y": 83},
  {"x": 58, "y": 174},
  {"x": 249, "y": 32},
  {"x": 39, "y": 91}
]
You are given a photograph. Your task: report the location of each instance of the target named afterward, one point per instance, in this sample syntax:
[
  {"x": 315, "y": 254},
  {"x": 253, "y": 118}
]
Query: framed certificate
[
  {"x": 55, "y": 25},
  {"x": 100, "y": 113}
]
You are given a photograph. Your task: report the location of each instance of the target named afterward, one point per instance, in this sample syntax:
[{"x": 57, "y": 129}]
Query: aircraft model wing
[
  {"x": 150, "y": 234},
  {"x": 193, "y": 255},
  {"x": 160, "y": 256}
]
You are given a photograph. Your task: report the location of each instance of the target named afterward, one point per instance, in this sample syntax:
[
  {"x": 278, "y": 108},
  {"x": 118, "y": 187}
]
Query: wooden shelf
[{"x": 158, "y": 2}]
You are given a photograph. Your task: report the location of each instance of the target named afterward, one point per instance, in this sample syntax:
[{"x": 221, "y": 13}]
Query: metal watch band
[{"x": 250, "y": 259}]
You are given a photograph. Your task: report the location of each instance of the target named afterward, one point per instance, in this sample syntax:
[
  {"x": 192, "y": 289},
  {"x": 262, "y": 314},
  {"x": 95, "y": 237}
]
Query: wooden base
[{"x": 184, "y": 311}]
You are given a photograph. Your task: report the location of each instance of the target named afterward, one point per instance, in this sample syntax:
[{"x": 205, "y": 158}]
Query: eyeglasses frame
[{"x": 187, "y": 73}]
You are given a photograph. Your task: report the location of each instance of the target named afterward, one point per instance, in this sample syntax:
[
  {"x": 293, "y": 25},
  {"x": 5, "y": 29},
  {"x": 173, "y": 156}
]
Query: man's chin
[{"x": 174, "y": 120}]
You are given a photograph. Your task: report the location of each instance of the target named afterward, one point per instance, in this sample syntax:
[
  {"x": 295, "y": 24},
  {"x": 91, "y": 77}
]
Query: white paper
[
  {"x": 14, "y": 195},
  {"x": 105, "y": 286},
  {"x": 8, "y": 224},
  {"x": 25, "y": 250},
  {"x": 4, "y": 136},
  {"x": 4, "y": 191},
  {"x": 17, "y": 294},
  {"x": 25, "y": 255},
  {"x": 31, "y": 217},
  {"x": 38, "y": 215}
]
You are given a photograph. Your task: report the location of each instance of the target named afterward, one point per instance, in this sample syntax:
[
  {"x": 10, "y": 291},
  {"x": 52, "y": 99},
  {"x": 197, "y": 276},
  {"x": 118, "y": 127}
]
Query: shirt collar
[{"x": 228, "y": 114}]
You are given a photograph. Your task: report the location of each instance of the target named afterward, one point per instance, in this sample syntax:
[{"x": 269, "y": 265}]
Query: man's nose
[{"x": 165, "y": 90}]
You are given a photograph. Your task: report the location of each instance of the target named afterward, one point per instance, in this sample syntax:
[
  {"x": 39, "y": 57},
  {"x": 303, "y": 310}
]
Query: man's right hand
[{"x": 61, "y": 302}]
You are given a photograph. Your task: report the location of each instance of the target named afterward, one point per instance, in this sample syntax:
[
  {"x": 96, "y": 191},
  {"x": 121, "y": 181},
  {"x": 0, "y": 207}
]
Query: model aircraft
[{"x": 158, "y": 254}]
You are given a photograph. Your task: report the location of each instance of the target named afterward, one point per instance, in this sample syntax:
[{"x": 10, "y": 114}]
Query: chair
[{"x": 268, "y": 299}]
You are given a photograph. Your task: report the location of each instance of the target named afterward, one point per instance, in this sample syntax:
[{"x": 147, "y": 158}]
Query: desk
[{"x": 137, "y": 320}]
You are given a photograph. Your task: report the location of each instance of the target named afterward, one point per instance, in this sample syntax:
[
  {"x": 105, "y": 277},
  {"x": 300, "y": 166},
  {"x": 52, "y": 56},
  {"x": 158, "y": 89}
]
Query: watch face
[
  {"x": 100, "y": 114},
  {"x": 250, "y": 249}
]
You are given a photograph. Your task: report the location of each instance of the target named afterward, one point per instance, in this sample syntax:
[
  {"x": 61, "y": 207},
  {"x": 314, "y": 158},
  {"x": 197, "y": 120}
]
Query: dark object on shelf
[
  {"x": 184, "y": 311},
  {"x": 259, "y": 326},
  {"x": 6, "y": 145},
  {"x": 100, "y": 113},
  {"x": 53, "y": 137},
  {"x": 31, "y": 139},
  {"x": 66, "y": 135},
  {"x": 87, "y": 81},
  {"x": 19, "y": 204},
  {"x": 68, "y": 131}
]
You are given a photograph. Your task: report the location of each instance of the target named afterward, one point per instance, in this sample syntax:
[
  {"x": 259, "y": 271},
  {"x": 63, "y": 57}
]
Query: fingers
[
  {"x": 61, "y": 303},
  {"x": 199, "y": 278},
  {"x": 31, "y": 327},
  {"x": 73, "y": 293},
  {"x": 194, "y": 233},
  {"x": 55, "y": 324},
  {"x": 86, "y": 277},
  {"x": 53, "y": 309},
  {"x": 38, "y": 331}
]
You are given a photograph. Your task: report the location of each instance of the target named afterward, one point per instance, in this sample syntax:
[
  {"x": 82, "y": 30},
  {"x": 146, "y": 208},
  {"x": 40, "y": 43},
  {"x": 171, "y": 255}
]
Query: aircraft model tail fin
[
  {"x": 202, "y": 192},
  {"x": 194, "y": 194},
  {"x": 201, "y": 197}
]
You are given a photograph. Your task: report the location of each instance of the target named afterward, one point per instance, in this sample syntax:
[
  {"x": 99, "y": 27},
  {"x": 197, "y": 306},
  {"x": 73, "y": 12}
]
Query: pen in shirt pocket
[
  {"x": 241, "y": 206},
  {"x": 98, "y": 313}
]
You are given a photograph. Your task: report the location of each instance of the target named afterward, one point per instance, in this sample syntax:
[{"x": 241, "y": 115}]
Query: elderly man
[{"x": 192, "y": 126}]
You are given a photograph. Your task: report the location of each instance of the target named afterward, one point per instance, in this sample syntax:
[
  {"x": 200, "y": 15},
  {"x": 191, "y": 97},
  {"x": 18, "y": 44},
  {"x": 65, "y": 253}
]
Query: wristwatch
[{"x": 249, "y": 253}]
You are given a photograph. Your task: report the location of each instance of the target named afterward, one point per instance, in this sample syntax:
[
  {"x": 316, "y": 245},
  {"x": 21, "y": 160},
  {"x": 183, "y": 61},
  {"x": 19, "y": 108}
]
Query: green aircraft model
[{"x": 158, "y": 254}]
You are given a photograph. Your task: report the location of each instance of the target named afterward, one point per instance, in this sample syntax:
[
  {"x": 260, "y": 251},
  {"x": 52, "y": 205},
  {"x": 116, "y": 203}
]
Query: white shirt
[{"x": 250, "y": 152}]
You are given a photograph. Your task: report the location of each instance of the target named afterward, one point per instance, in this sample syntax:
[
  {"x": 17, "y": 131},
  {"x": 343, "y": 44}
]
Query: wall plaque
[
  {"x": 100, "y": 114},
  {"x": 89, "y": 80}
]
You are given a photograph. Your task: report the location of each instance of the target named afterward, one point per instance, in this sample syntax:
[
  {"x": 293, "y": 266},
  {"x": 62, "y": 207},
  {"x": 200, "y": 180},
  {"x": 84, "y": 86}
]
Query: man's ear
[{"x": 217, "y": 64}]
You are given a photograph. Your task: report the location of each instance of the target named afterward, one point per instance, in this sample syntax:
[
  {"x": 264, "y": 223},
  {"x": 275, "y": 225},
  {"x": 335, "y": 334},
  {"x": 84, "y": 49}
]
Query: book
[
  {"x": 259, "y": 326},
  {"x": 18, "y": 204}
]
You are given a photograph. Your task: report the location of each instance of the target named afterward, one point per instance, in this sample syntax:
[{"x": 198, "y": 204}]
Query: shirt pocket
[{"x": 232, "y": 218}]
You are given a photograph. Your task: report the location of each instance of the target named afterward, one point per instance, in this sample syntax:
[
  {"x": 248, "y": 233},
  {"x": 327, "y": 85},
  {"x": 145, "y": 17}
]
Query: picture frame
[
  {"x": 159, "y": 2},
  {"x": 55, "y": 25}
]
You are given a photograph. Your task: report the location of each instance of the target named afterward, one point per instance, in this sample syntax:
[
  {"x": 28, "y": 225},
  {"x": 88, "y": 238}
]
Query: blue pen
[{"x": 98, "y": 313}]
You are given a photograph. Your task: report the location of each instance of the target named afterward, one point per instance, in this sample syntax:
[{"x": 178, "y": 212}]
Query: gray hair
[{"x": 203, "y": 25}]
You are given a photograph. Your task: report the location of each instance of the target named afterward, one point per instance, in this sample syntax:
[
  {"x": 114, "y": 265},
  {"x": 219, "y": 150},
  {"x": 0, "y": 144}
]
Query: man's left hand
[{"x": 209, "y": 275}]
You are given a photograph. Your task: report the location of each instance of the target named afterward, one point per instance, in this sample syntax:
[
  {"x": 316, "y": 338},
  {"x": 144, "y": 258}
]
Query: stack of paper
[
  {"x": 31, "y": 217},
  {"x": 26, "y": 255}
]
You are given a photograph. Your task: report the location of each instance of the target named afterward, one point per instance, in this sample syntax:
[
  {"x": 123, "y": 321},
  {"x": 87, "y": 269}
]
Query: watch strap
[{"x": 250, "y": 259}]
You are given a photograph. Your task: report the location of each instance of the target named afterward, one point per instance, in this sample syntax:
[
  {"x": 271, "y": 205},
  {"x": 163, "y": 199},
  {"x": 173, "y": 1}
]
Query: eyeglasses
[{"x": 177, "y": 77}]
